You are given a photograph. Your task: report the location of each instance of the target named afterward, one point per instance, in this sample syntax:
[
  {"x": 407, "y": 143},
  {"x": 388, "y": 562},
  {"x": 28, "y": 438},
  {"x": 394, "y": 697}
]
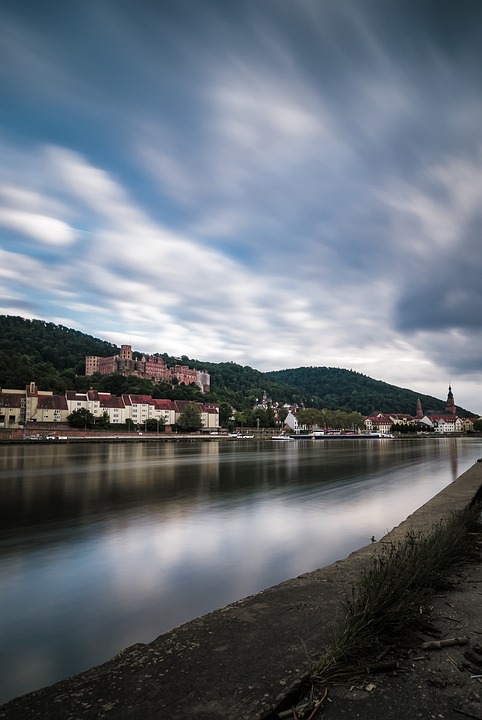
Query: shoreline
[{"x": 65, "y": 439}]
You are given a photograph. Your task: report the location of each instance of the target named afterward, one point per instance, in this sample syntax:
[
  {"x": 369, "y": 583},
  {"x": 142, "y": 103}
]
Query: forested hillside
[
  {"x": 349, "y": 390},
  {"x": 53, "y": 356}
]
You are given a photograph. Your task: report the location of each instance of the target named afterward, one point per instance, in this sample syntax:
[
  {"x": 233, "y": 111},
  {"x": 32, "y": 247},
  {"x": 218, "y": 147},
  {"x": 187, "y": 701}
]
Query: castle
[{"x": 152, "y": 368}]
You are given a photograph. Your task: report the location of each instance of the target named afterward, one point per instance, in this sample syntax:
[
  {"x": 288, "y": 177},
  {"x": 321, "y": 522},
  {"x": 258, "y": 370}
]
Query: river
[{"x": 103, "y": 546}]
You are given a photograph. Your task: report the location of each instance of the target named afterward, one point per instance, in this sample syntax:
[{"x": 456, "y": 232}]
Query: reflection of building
[{"x": 152, "y": 368}]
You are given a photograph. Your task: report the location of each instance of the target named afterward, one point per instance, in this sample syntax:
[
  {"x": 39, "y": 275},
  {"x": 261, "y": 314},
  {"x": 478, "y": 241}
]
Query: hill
[
  {"x": 54, "y": 356},
  {"x": 349, "y": 390}
]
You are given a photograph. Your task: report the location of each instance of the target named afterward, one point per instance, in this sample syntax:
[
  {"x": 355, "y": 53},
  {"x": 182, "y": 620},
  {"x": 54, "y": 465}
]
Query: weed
[{"x": 391, "y": 593}]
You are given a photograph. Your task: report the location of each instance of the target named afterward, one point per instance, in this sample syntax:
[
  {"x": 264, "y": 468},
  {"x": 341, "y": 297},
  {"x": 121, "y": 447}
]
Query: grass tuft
[{"x": 389, "y": 595}]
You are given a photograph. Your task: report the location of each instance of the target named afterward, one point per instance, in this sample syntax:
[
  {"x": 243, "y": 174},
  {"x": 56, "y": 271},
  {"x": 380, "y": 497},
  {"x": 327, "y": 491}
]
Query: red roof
[
  {"x": 140, "y": 399},
  {"x": 12, "y": 400},
  {"x": 110, "y": 401},
  {"x": 52, "y": 402},
  {"x": 164, "y": 405}
]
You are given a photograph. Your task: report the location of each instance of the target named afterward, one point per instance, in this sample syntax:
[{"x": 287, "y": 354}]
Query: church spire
[
  {"x": 419, "y": 414},
  {"x": 450, "y": 406}
]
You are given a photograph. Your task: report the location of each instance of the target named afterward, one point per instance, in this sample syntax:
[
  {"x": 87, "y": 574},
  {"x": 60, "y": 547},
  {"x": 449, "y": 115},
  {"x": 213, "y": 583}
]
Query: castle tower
[
  {"x": 450, "y": 406},
  {"x": 126, "y": 352}
]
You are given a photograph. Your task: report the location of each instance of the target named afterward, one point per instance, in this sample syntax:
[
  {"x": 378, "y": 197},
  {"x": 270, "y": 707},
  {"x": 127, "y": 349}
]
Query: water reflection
[{"x": 104, "y": 546}]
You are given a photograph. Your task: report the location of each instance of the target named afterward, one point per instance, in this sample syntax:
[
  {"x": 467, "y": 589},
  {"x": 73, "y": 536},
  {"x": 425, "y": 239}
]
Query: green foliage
[
  {"x": 334, "y": 419},
  {"x": 103, "y": 422},
  {"x": 348, "y": 390},
  {"x": 46, "y": 353},
  {"x": 225, "y": 414},
  {"x": 260, "y": 417},
  {"x": 81, "y": 418},
  {"x": 190, "y": 419},
  {"x": 311, "y": 418},
  {"x": 410, "y": 427},
  {"x": 154, "y": 425},
  {"x": 478, "y": 425}
]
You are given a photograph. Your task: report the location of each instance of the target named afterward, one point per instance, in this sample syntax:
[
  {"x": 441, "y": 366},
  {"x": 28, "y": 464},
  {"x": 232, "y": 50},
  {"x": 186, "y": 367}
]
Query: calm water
[{"x": 105, "y": 546}]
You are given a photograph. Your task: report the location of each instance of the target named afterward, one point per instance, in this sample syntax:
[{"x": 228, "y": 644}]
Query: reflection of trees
[
  {"x": 56, "y": 486},
  {"x": 453, "y": 457}
]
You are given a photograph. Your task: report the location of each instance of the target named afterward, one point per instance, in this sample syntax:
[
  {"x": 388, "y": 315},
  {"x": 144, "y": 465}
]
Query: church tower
[
  {"x": 419, "y": 414},
  {"x": 450, "y": 406}
]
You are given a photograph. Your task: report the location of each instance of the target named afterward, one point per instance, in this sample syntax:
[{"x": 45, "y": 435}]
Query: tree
[
  {"x": 270, "y": 418},
  {"x": 154, "y": 424},
  {"x": 104, "y": 421},
  {"x": 190, "y": 419},
  {"x": 81, "y": 418},
  {"x": 282, "y": 413},
  {"x": 225, "y": 413},
  {"x": 115, "y": 383},
  {"x": 265, "y": 416},
  {"x": 478, "y": 425},
  {"x": 310, "y": 417}
]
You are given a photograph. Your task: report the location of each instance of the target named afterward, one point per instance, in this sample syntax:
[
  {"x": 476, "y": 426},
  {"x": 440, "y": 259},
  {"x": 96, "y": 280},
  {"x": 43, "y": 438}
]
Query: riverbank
[
  {"x": 242, "y": 661},
  {"x": 18, "y": 437}
]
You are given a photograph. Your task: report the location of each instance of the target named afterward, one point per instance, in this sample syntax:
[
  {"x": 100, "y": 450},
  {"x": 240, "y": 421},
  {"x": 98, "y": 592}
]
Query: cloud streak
[{"x": 274, "y": 185}]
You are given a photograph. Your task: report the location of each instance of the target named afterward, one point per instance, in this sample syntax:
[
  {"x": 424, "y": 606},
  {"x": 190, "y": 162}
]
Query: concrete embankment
[{"x": 239, "y": 662}]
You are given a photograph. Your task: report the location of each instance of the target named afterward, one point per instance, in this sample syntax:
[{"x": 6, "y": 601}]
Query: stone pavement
[{"x": 248, "y": 660}]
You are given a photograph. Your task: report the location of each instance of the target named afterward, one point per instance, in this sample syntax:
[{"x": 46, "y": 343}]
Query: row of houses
[
  {"x": 20, "y": 407},
  {"x": 31, "y": 405},
  {"x": 448, "y": 422},
  {"x": 383, "y": 422}
]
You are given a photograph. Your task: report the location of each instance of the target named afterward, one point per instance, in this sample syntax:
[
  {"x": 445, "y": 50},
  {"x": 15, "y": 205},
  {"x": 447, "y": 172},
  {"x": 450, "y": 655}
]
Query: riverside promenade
[{"x": 248, "y": 660}]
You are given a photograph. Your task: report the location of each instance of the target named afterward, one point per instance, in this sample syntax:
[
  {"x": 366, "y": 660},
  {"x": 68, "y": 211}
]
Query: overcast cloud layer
[{"x": 277, "y": 183}]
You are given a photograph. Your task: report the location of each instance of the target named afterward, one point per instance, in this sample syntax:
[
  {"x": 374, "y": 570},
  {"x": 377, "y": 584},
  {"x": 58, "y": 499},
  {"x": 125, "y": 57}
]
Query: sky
[{"x": 277, "y": 183}]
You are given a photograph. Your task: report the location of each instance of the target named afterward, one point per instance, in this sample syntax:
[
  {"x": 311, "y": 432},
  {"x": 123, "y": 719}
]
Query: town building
[
  {"x": 448, "y": 422},
  {"x": 18, "y": 408}
]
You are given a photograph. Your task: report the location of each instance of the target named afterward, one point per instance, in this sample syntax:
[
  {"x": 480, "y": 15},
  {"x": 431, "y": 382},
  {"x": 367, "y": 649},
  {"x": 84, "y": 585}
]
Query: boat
[
  {"x": 302, "y": 436},
  {"x": 281, "y": 438}
]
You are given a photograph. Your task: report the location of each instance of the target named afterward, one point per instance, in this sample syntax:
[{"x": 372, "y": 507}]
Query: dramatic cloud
[{"x": 278, "y": 184}]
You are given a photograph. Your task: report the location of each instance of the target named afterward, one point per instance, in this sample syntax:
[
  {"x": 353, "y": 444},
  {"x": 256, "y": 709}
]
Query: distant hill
[
  {"x": 54, "y": 357},
  {"x": 349, "y": 390}
]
